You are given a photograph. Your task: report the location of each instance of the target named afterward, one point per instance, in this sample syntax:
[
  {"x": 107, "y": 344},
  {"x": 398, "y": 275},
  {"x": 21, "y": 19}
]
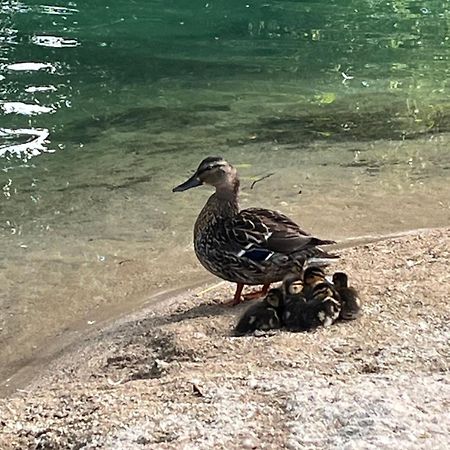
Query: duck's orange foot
[
  {"x": 255, "y": 294},
  {"x": 232, "y": 302},
  {"x": 239, "y": 298}
]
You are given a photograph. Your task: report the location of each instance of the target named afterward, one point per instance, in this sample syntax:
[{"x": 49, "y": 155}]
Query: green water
[{"x": 105, "y": 106}]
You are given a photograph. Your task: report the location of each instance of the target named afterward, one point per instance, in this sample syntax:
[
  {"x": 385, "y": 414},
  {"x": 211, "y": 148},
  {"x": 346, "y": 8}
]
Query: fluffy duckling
[
  {"x": 294, "y": 304},
  {"x": 350, "y": 302},
  {"x": 312, "y": 275},
  {"x": 311, "y": 303},
  {"x": 264, "y": 315},
  {"x": 323, "y": 305}
]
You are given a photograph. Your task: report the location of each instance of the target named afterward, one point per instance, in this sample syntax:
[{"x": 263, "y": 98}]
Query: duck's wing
[
  {"x": 263, "y": 229},
  {"x": 275, "y": 220}
]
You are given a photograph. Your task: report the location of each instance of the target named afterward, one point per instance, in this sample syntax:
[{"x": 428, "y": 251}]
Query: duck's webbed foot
[
  {"x": 239, "y": 298},
  {"x": 257, "y": 294}
]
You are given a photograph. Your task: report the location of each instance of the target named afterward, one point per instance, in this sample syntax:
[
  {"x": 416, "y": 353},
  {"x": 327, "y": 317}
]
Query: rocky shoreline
[{"x": 172, "y": 376}]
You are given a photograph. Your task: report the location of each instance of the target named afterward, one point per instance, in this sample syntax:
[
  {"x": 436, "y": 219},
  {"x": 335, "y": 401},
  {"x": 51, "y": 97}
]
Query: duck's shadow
[{"x": 203, "y": 310}]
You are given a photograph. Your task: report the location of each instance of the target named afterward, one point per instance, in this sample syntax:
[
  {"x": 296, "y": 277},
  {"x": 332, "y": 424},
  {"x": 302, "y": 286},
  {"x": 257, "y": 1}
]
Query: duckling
[
  {"x": 312, "y": 276},
  {"x": 294, "y": 304},
  {"x": 323, "y": 305},
  {"x": 323, "y": 301},
  {"x": 311, "y": 303},
  {"x": 350, "y": 302},
  {"x": 264, "y": 315}
]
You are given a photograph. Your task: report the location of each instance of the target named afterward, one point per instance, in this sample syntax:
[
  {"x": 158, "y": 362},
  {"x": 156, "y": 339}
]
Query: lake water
[{"x": 105, "y": 106}]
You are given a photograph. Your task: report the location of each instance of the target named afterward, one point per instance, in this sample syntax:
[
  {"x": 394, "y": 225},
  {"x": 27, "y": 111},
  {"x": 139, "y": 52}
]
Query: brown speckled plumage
[{"x": 249, "y": 247}]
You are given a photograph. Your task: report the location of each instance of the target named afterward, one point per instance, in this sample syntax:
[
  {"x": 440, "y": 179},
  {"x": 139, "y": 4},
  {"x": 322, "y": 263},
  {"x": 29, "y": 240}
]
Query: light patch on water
[
  {"x": 8, "y": 36},
  {"x": 35, "y": 145},
  {"x": 31, "y": 66},
  {"x": 54, "y": 41},
  {"x": 56, "y": 10},
  {"x": 32, "y": 89},
  {"x": 13, "y": 7},
  {"x": 25, "y": 109}
]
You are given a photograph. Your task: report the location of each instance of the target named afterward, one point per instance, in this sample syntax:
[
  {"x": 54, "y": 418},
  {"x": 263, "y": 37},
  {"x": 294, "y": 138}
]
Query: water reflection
[
  {"x": 313, "y": 53},
  {"x": 56, "y": 10},
  {"x": 54, "y": 41},
  {"x": 34, "y": 84},
  {"x": 35, "y": 142},
  {"x": 25, "y": 109},
  {"x": 31, "y": 66},
  {"x": 32, "y": 89}
]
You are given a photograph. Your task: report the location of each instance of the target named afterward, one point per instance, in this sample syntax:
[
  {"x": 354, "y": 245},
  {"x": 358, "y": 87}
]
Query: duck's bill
[{"x": 188, "y": 184}]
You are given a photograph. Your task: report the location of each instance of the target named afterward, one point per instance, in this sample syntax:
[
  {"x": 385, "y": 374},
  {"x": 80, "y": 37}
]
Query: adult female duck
[{"x": 254, "y": 246}]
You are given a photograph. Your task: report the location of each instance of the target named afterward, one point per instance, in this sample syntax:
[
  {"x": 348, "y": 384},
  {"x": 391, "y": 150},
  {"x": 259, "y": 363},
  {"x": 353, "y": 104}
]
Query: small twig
[
  {"x": 197, "y": 391},
  {"x": 210, "y": 288},
  {"x": 124, "y": 261},
  {"x": 262, "y": 178}
]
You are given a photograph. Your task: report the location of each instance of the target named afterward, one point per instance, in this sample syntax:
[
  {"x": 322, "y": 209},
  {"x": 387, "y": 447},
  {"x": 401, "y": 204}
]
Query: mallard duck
[
  {"x": 310, "y": 303},
  {"x": 351, "y": 304},
  {"x": 264, "y": 315},
  {"x": 254, "y": 246}
]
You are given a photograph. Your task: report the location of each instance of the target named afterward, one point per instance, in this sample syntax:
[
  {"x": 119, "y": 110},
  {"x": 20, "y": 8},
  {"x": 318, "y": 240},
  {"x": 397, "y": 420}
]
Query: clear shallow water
[{"x": 104, "y": 108}]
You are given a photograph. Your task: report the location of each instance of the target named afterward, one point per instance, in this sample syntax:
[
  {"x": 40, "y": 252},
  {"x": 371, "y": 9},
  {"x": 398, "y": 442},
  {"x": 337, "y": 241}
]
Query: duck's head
[
  {"x": 213, "y": 170},
  {"x": 313, "y": 275},
  {"x": 340, "y": 279}
]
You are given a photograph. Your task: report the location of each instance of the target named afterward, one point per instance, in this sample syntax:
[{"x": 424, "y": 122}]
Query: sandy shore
[{"x": 172, "y": 376}]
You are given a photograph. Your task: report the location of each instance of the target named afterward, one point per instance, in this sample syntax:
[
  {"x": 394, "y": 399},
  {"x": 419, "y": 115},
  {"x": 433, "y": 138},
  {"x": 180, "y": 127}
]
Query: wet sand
[{"x": 171, "y": 375}]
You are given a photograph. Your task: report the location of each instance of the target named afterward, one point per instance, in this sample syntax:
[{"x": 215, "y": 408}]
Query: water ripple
[
  {"x": 54, "y": 41},
  {"x": 56, "y": 10},
  {"x": 14, "y": 145},
  {"x": 32, "y": 89},
  {"x": 31, "y": 66},
  {"x": 26, "y": 109}
]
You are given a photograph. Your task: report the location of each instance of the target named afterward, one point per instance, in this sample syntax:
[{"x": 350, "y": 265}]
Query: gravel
[{"x": 173, "y": 377}]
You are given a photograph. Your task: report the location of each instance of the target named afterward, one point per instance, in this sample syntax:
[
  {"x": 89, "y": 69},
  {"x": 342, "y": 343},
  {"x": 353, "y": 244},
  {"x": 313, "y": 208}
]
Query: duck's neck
[
  {"x": 223, "y": 204},
  {"x": 228, "y": 192},
  {"x": 225, "y": 201}
]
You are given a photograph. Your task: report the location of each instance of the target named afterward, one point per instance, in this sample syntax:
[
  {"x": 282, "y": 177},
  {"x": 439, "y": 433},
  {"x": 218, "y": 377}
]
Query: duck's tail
[
  {"x": 318, "y": 242},
  {"x": 321, "y": 262},
  {"x": 319, "y": 257},
  {"x": 312, "y": 256}
]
